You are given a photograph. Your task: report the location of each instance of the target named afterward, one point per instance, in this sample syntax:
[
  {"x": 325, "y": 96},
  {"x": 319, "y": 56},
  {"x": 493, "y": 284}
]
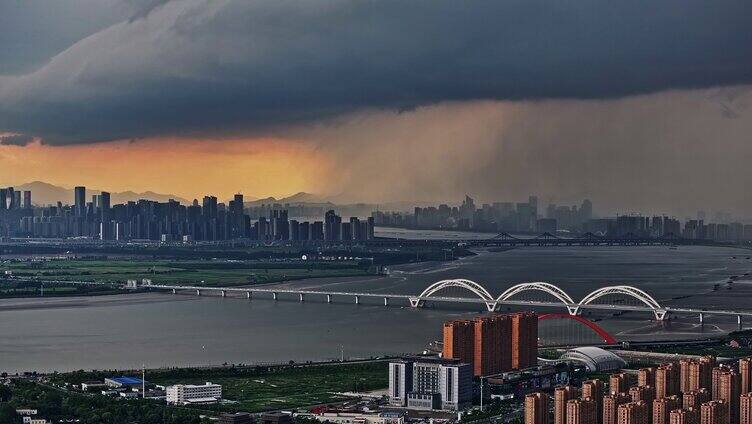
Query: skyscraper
[
  {"x": 536, "y": 408},
  {"x": 562, "y": 395},
  {"x": 524, "y": 340},
  {"x": 332, "y": 226},
  {"x": 666, "y": 380},
  {"x": 695, "y": 398},
  {"x": 646, "y": 377},
  {"x": 645, "y": 394},
  {"x": 618, "y": 383},
  {"x": 459, "y": 339},
  {"x": 633, "y": 413},
  {"x": 728, "y": 391},
  {"x": 745, "y": 375},
  {"x": 593, "y": 389},
  {"x": 696, "y": 374},
  {"x": 684, "y": 416},
  {"x": 662, "y": 408},
  {"x": 80, "y": 200},
  {"x": 581, "y": 411},
  {"x": 714, "y": 412},
  {"x": 745, "y": 408},
  {"x": 492, "y": 346},
  {"x": 611, "y": 404},
  {"x": 27, "y": 199}
]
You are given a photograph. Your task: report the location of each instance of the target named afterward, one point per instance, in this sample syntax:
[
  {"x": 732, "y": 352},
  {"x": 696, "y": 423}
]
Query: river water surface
[{"x": 177, "y": 330}]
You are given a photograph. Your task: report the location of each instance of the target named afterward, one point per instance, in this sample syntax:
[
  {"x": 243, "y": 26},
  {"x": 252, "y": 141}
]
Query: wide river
[{"x": 176, "y": 330}]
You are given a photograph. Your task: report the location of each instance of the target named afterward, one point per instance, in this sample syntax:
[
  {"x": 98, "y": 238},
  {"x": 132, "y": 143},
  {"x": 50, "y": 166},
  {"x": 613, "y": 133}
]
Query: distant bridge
[
  {"x": 544, "y": 239},
  {"x": 480, "y": 295}
]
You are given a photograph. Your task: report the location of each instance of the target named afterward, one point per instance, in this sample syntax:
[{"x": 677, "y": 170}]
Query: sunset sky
[{"x": 637, "y": 104}]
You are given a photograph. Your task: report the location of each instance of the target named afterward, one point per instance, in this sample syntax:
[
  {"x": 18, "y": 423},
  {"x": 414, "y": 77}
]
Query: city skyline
[{"x": 658, "y": 121}]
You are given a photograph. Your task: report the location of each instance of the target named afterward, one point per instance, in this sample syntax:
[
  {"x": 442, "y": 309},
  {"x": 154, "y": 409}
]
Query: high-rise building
[
  {"x": 728, "y": 391},
  {"x": 524, "y": 340},
  {"x": 663, "y": 407},
  {"x": 684, "y": 416},
  {"x": 745, "y": 375},
  {"x": 633, "y": 413},
  {"x": 594, "y": 389},
  {"x": 611, "y": 404},
  {"x": 745, "y": 408},
  {"x": 714, "y": 412},
  {"x": 436, "y": 384},
  {"x": 492, "y": 346},
  {"x": 400, "y": 381},
  {"x": 536, "y": 408},
  {"x": 581, "y": 411},
  {"x": 695, "y": 398},
  {"x": 80, "y": 200},
  {"x": 459, "y": 341},
  {"x": 666, "y": 380},
  {"x": 332, "y": 226},
  {"x": 618, "y": 383},
  {"x": 696, "y": 374},
  {"x": 562, "y": 395},
  {"x": 715, "y": 381},
  {"x": 645, "y": 394},
  {"x": 27, "y": 199},
  {"x": 646, "y": 377}
]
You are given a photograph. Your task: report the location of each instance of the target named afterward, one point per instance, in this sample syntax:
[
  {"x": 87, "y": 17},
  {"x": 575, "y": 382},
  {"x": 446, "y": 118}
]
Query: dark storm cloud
[
  {"x": 220, "y": 67},
  {"x": 15, "y": 140}
]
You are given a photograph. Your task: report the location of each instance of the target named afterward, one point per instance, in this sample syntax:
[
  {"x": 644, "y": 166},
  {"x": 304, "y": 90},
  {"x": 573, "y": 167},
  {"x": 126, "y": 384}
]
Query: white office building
[
  {"x": 400, "y": 382},
  {"x": 184, "y": 394},
  {"x": 430, "y": 383}
]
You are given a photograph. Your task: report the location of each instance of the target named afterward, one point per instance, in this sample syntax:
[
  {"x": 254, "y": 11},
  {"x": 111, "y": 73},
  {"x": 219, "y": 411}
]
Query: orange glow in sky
[{"x": 186, "y": 168}]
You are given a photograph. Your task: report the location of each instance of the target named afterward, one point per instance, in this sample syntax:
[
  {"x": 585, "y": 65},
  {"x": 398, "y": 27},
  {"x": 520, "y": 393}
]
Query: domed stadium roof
[{"x": 594, "y": 358}]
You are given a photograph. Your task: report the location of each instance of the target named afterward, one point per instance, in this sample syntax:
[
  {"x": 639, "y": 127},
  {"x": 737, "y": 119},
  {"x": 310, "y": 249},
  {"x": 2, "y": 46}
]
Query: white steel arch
[
  {"x": 642, "y": 296},
  {"x": 543, "y": 287},
  {"x": 469, "y": 285}
]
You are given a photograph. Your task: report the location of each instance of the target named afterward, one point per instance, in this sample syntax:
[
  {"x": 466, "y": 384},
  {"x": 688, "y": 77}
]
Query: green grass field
[
  {"x": 296, "y": 387},
  {"x": 267, "y": 388},
  {"x": 174, "y": 272}
]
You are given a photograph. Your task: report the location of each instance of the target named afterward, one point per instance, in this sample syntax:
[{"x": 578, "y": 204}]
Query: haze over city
[{"x": 636, "y": 106}]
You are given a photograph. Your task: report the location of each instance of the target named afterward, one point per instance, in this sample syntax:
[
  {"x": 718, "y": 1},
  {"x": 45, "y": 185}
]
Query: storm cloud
[
  {"x": 15, "y": 140},
  {"x": 193, "y": 67}
]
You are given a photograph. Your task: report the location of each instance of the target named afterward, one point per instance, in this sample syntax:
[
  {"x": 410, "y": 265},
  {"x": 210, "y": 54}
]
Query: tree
[
  {"x": 8, "y": 414},
  {"x": 5, "y": 393}
]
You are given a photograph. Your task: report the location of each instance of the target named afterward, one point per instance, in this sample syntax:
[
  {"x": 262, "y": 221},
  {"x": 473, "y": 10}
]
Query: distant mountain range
[{"x": 48, "y": 194}]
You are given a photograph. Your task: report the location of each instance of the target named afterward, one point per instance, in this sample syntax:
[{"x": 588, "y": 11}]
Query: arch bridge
[
  {"x": 561, "y": 297},
  {"x": 436, "y": 292}
]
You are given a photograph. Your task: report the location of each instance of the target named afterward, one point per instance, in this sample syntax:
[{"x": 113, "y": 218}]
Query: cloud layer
[
  {"x": 672, "y": 152},
  {"x": 195, "y": 67}
]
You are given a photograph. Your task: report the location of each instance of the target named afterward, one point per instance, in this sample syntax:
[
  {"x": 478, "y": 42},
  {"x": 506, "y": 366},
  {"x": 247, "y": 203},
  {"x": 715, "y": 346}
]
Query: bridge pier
[
  {"x": 328, "y": 298},
  {"x": 274, "y": 296},
  {"x": 739, "y": 321},
  {"x": 702, "y": 318},
  {"x": 357, "y": 300},
  {"x": 660, "y": 314},
  {"x": 248, "y": 295},
  {"x": 224, "y": 293},
  {"x": 198, "y": 292},
  {"x": 301, "y": 297},
  {"x": 386, "y": 301},
  {"x": 174, "y": 291}
]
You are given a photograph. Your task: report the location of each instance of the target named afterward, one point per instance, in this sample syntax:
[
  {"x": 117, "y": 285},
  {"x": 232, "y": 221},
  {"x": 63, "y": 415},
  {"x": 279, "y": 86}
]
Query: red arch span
[{"x": 607, "y": 338}]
